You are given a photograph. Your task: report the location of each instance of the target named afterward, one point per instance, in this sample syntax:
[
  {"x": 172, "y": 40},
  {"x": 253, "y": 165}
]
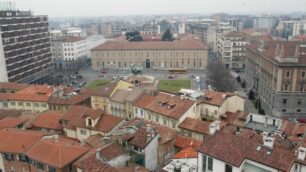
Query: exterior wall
[
  {"x": 15, "y": 165},
  {"x": 34, "y": 107},
  {"x": 270, "y": 81},
  {"x": 233, "y": 104},
  {"x": 151, "y": 156},
  {"x": 3, "y": 71},
  {"x": 193, "y": 134},
  {"x": 296, "y": 167},
  {"x": 208, "y": 111},
  {"x": 165, "y": 152},
  {"x": 118, "y": 109},
  {"x": 251, "y": 166},
  {"x": 159, "y": 59},
  {"x": 218, "y": 166},
  {"x": 70, "y": 133},
  {"x": 61, "y": 108},
  {"x": 2, "y": 163},
  {"x": 101, "y": 102},
  {"x": 189, "y": 161}
]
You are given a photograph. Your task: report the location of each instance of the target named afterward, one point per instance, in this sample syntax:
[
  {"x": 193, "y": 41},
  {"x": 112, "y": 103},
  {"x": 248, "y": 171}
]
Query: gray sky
[{"x": 56, "y": 8}]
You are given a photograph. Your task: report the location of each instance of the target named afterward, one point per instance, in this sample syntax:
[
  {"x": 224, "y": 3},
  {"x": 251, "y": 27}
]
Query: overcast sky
[{"x": 55, "y": 8}]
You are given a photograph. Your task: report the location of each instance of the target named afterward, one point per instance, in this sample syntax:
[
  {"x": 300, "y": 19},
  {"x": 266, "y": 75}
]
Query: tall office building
[{"x": 25, "y": 54}]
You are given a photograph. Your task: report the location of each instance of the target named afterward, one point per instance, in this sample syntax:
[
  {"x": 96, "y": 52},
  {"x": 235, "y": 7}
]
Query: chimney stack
[{"x": 301, "y": 153}]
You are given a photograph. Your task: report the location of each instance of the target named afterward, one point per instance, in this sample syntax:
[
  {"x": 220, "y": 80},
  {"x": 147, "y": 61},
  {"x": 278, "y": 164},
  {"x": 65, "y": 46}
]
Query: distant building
[
  {"x": 265, "y": 23},
  {"x": 110, "y": 30},
  {"x": 68, "y": 53},
  {"x": 184, "y": 53},
  {"x": 231, "y": 50},
  {"x": 25, "y": 54},
  {"x": 277, "y": 72},
  {"x": 151, "y": 29}
]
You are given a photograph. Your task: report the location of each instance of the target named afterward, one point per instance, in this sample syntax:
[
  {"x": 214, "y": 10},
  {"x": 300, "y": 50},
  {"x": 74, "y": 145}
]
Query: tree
[
  {"x": 167, "y": 36},
  {"x": 243, "y": 84},
  {"x": 220, "y": 78},
  {"x": 238, "y": 79},
  {"x": 251, "y": 95},
  {"x": 133, "y": 36}
]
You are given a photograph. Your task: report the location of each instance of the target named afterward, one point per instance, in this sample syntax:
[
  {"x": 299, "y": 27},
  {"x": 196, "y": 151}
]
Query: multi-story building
[
  {"x": 110, "y": 30},
  {"x": 186, "y": 52},
  {"x": 277, "y": 71},
  {"x": 68, "y": 53},
  {"x": 151, "y": 29},
  {"x": 25, "y": 54},
  {"x": 265, "y": 23},
  {"x": 231, "y": 50}
]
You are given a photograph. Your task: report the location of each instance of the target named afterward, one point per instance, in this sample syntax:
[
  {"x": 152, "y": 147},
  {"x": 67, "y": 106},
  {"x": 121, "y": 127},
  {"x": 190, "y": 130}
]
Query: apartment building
[
  {"x": 231, "y": 151},
  {"x": 264, "y": 22},
  {"x": 25, "y": 54},
  {"x": 185, "y": 52},
  {"x": 68, "y": 53},
  {"x": 231, "y": 50},
  {"x": 110, "y": 30},
  {"x": 164, "y": 109},
  {"x": 277, "y": 71}
]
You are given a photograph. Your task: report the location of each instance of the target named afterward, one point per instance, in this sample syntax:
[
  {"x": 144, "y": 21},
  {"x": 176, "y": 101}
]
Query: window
[
  {"x": 43, "y": 105},
  {"x": 40, "y": 166},
  {"x": 89, "y": 122},
  {"x": 299, "y": 102},
  {"x": 286, "y": 87},
  {"x": 287, "y": 74},
  {"x": 20, "y": 103},
  {"x": 284, "y": 110},
  {"x": 35, "y": 104},
  {"x": 204, "y": 163},
  {"x": 51, "y": 169},
  {"x": 228, "y": 168},
  {"x": 13, "y": 103},
  {"x": 165, "y": 121},
  {"x": 23, "y": 158},
  {"x": 210, "y": 164},
  {"x": 28, "y": 104},
  {"x": 156, "y": 119},
  {"x": 9, "y": 157},
  {"x": 298, "y": 110},
  {"x": 83, "y": 132},
  {"x": 284, "y": 101},
  {"x": 70, "y": 168},
  {"x": 173, "y": 124},
  {"x": 303, "y": 74}
]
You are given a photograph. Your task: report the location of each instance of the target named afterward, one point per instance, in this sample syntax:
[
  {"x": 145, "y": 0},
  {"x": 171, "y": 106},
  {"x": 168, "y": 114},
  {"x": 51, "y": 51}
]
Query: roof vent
[
  {"x": 223, "y": 96},
  {"x": 301, "y": 153},
  {"x": 268, "y": 141}
]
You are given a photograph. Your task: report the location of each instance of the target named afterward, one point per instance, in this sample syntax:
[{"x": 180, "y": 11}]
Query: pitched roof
[
  {"x": 105, "y": 90},
  {"x": 237, "y": 119},
  {"x": 61, "y": 152},
  {"x": 183, "y": 44},
  {"x": 188, "y": 152},
  {"x": 293, "y": 128},
  {"x": 215, "y": 97},
  {"x": 171, "y": 106},
  {"x": 120, "y": 95},
  {"x": 233, "y": 149},
  {"x": 112, "y": 151},
  {"x": 49, "y": 120},
  {"x": 140, "y": 138},
  {"x": 12, "y": 86},
  {"x": 184, "y": 142},
  {"x": 166, "y": 134},
  {"x": 18, "y": 141},
  {"x": 69, "y": 100},
  {"x": 195, "y": 125},
  {"x": 9, "y": 113},
  {"x": 11, "y": 122}
]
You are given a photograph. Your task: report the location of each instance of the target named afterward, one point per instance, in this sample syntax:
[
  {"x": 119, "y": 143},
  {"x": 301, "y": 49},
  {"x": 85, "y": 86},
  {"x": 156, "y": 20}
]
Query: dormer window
[{"x": 89, "y": 122}]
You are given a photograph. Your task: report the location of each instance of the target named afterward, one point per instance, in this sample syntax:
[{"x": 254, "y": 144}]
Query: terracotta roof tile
[
  {"x": 171, "y": 106},
  {"x": 23, "y": 140},
  {"x": 48, "y": 120},
  {"x": 215, "y": 97},
  {"x": 140, "y": 138},
  {"x": 183, "y": 44},
  {"x": 233, "y": 148},
  {"x": 188, "y": 152},
  {"x": 12, "y": 86},
  {"x": 112, "y": 151},
  {"x": 9, "y": 113},
  {"x": 60, "y": 152},
  {"x": 184, "y": 142},
  {"x": 11, "y": 122},
  {"x": 196, "y": 125}
]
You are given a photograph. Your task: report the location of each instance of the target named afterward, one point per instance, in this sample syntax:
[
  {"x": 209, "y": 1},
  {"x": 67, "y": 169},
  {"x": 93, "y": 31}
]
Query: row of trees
[{"x": 133, "y": 36}]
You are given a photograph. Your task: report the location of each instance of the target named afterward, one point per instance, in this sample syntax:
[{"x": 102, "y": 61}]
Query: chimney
[
  {"x": 301, "y": 153},
  {"x": 213, "y": 127},
  {"x": 268, "y": 141}
]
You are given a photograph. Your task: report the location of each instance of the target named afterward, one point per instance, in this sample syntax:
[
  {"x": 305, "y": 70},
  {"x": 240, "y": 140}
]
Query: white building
[
  {"x": 236, "y": 151},
  {"x": 231, "y": 50},
  {"x": 265, "y": 22},
  {"x": 69, "y": 53}
]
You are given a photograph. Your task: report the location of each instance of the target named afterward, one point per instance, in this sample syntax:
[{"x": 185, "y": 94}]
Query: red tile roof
[
  {"x": 196, "y": 125},
  {"x": 215, "y": 97},
  {"x": 61, "y": 152},
  {"x": 140, "y": 138},
  {"x": 48, "y": 120},
  {"x": 235, "y": 148},
  {"x": 171, "y": 106},
  {"x": 18, "y": 141},
  {"x": 188, "y": 152},
  {"x": 184, "y": 142},
  {"x": 106, "y": 90},
  {"x": 112, "y": 151},
  {"x": 11, "y": 122},
  {"x": 166, "y": 134},
  {"x": 183, "y": 44},
  {"x": 69, "y": 100},
  {"x": 12, "y": 86}
]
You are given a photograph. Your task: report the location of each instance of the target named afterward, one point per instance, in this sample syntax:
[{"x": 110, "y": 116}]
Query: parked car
[
  {"x": 73, "y": 76},
  {"x": 82, "y": 83},
  {"x": 171, "y": 77}
]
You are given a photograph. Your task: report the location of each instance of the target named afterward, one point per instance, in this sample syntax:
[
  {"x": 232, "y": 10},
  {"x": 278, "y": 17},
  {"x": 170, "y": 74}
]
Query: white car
[{"x": 197, "y": 78}]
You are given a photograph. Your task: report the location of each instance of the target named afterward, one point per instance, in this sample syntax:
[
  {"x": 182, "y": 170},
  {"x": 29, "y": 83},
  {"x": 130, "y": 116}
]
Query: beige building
[
  {"x": 184, "y": 52},
  {"x": 214, "y": 104}
]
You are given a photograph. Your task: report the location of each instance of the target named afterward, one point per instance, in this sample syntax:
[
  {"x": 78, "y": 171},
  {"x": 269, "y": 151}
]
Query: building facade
[
  {"x": 25, "y": 54},
  {"x": 231, "y": 50},
  {"x": 187, "y": 53},
  {"x": 277, "y": 71},
  {"x": 68, "y": 53}
]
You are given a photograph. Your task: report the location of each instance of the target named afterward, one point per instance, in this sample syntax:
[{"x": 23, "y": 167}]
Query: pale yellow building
[
  {"x": 101, "y": 97},
  {"x": 184, "y": 52},
  {"x": 214, "y": 104}
]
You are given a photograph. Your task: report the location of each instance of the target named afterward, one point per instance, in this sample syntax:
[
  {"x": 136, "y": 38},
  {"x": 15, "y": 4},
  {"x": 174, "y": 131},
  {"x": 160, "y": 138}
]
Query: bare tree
[{"x": 220, "y": 77}]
